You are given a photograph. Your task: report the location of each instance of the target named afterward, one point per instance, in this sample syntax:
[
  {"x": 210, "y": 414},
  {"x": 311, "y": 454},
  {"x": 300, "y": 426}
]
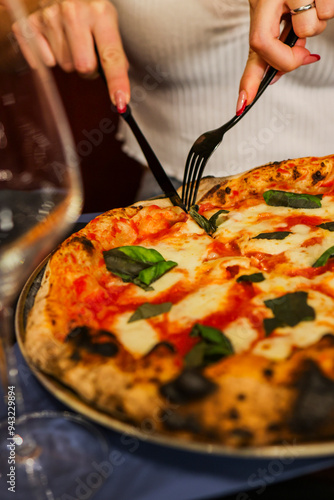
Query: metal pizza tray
[{"x": 73, "y": 401}]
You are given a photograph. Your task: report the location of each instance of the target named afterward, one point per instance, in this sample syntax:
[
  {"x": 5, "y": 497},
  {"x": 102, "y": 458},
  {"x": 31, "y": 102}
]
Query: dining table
[{"x": 137, "y": 467}]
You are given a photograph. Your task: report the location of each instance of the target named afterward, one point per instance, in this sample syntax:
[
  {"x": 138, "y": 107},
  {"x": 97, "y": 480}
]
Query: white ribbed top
[{"x": 186, "y": 59}]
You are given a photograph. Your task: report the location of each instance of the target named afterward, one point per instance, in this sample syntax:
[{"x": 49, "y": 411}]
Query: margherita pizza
[{"x": 215, "y": 325}]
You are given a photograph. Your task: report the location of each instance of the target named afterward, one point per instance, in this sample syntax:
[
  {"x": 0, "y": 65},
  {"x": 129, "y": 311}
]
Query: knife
[
  {"x": 155, "y": 166},
  {"x": 157, "y": 169}
]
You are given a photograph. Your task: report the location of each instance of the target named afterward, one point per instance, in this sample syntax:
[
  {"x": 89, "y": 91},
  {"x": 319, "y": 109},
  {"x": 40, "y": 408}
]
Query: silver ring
[{"x": 303, "y": 8}]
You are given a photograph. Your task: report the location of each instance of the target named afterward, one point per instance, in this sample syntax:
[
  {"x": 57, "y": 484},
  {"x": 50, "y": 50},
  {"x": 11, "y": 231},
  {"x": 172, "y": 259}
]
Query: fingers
[
  {"x": 307, "y": 23},
  {"x": 250, "y": 80},
  {"x": 49, "y": 23},
  {"x": 264, "y": 33},
  {"x": 325, "y": 9},
  {"x": 113, "y": 59},
  {"x": 255, "y": 69},
  {"x": 67, "y": 32},
  {"x": 266, "y": 48}
]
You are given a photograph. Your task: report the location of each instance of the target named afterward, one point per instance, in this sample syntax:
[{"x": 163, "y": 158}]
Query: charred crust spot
[
  {"x": 296, "y": 174},
  {"x": 214, "y": 189},
  {"x": 75, "y": 356},
  {"x": 274, "y": 427},
  {"x": 85, "y": 242},
  {"x": 322, "y": 164},
  {"x": 268, "y": 373},
  {"x": 163, "y": 347},
  {"x": 175, "y": 422},
  {"x": 147, "y": 425},
  {"x": 154, "y": 380},
  {"x": 233, "y": 414},
  {"x": 314, "y": 405},
  {"x": 120, "y": 409},
  {"x": 317, "y": 176},
  {"x": 101, "y": 342},
  {"x": 329, "y": 339},
  {"x": 227, "y": 190},
  {"x": 243, "y": 434},
  {"x": 241, "y": 397},
  {"x": 190, "y": 385}
]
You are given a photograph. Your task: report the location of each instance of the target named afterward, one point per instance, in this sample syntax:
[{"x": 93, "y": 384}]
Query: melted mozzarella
[
  {"x": 189, "y": 246},
  {"x": 137, "y": 337},
  {"x": 241, "y": 334},
  {"x": 245, "y": 224},
  {"x": 306, "y": 256},
  {"x": 305, "y": 333},
  {"x": 203, "y": 302}
]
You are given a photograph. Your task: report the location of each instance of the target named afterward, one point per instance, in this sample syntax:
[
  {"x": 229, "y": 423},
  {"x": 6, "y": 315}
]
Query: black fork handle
[{"x": 271, "y": 72}]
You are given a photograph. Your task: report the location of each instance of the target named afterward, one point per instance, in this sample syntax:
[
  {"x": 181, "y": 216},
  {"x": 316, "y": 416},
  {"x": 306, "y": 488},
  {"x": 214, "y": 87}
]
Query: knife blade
[{"x": 154, "y": 164}]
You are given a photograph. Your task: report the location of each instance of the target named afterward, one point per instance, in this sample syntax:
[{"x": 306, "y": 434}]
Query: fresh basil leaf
[
  {"x": 253, "y": 278},
  {"x": 208, "y": 333},
  {"x": 289, "y": 310},
  {"x": 141, "y": 254},
  {"x": 215, "y": 220},
  {"x": 151, "y": 274},
  {"x": 148, "y": 310},
  {"x": 209, "y": 225},
  {"x": 270, "y": 324},
  {"x": 277, "y": 235},
  {"x": 136, "y": 281},
  {"x": 117, "y": 262},
  {"x": 327, "y": 225},
  {"x": 139, "y": 265},
  {"x": 323, "y": 259},
  {"x": 195, "y": 357},
  {"x": 212, "y": 347},
  {"x": 278, "y": 198},
  {"x": 202, "y": 221}
]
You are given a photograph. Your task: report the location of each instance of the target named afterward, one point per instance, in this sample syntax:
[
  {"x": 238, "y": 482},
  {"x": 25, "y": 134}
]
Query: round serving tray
[{"x": 72, "y": 400}]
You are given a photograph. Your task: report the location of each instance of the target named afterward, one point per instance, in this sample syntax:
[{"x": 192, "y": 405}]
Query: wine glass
[{"x": 42, "y": 455}]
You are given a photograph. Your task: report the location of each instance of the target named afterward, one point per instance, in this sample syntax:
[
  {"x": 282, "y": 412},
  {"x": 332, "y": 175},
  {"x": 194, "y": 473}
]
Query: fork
[{"x": 208, "y": 142}]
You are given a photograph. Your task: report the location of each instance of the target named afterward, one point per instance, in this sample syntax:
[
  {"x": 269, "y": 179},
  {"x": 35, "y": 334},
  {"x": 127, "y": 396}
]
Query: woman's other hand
[{"x": 266, "y": 47}]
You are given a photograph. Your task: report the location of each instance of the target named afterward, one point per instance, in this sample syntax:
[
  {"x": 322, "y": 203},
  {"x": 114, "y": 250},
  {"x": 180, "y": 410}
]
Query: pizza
[{"x": 211, "y": 326}]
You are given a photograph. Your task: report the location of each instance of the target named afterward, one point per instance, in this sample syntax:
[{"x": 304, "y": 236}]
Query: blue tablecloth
[{"x": 147, "y": 471}]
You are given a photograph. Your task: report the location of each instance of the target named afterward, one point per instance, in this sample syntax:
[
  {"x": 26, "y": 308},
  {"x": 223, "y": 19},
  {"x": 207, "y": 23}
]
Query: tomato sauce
[
  {"x": 265, "y": 261},
  {"x": 218, "y": 249},
  {"x": 294, "y": 220},
  {"x": 239, "y": 305}
]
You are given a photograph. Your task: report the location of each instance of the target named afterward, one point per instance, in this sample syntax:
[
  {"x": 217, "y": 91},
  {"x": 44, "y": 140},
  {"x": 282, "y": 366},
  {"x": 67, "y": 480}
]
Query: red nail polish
[
  {"x": 242, "y": 109},
  {"x": 316, "y": 56},
  {"x": 120, "y": 101},
  {"x": 242, "y": 103}
]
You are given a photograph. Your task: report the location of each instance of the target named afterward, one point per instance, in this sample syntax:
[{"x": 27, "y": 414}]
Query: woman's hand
[
  {"x": 266, "y": 48},
  {"x": 67, "y": 31}
]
